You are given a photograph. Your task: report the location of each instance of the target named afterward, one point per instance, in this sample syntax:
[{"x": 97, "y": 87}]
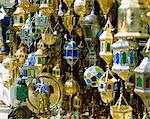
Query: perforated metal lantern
[
  {"x": 19, "y": 18},
  {"x": 77, "y": 102},
  {"x": 129, "y": 24},
  {"x": 125, "y": 58},
  {"x": 106, "y": 40},
  {"x": 142, "y": 78},
  {"x": 92, "y": 75},
  {"x": 121, "y": 111},
  {"x": 71, "y": 53},
  {"x": 56, "y": 71}
]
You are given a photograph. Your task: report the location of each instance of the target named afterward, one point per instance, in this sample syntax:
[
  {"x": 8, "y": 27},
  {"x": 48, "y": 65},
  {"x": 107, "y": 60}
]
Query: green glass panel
[
  {"x": 139, "y": 81},
  {"x": 39, "y": 60},
  {"x": 43, "y": 60},
  {"x": 124, "y": 58},
  {"x": 108, "y": 47}
]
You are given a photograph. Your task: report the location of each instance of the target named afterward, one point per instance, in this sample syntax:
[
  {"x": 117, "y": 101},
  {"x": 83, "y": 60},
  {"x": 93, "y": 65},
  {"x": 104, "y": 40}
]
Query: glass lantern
[
  {"x": 40, "y": 56},
  {"x": 129, "y": 24},
  {"x": 19, "y": 18},
  {"x": 125, "y": 58},
  {"x": 71, "y": 53}
]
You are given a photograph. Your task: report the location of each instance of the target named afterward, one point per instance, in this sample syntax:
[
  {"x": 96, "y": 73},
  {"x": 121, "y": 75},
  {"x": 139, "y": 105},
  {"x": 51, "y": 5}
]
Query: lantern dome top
[
  {"x": 124, "y": 44},
  {"x": 90, "y": 19},
  {"x": 144, "y": 67},
  {"x": 19, "y": 10}
]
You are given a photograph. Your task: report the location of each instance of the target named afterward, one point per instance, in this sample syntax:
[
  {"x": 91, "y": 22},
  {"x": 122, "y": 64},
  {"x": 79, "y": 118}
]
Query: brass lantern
[
  {"x": 125, "y": 58},
  {"x": 129, "y": 24},
  {"x": 106, "y": 40},
  {"x": 20, "y": 55},
  {"x": 77, "y": 102},
  {"x": 56, "y": 71},
  {"x": 121, "y": 111},
  {"x": 142, "y": 78},
  {"x": 40, "y": 56},
  {"x": 47, "y": 7},
  {"x": 19, "y": 18}
]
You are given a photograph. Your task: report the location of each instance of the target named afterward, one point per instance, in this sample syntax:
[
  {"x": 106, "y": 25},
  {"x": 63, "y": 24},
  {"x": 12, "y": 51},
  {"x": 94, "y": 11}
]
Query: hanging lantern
[
  {"x": 56, "y": 71},
  {"x": 121, "y": 111},
  {"x": 106, "y": 87},
  {"x": 20, "y": 55},
  {"x": 129, "y": 24},
  {"x": 40, "y": 55},
  {"x": 10, "y": 34},
  {"x": 92, "y": 75},
  {"x": 106, "y": 5},
  {"x": 41, "y": 22},
  {"x": 19, "y": 18},
  {"x": 1, "y": 37},
  {"x": 47, "y": 36},
  {"x": 22, "y": 90},
  {"x": 142, "y": 78},
  {"x": 47, "y": 7},
  {"x": 71, "y": 53},
  {"x": 80, "y": 8},
  {"x": 125, "y": 58},
  {"x": 29, "y": 67},
  {"x": 91, "y": 58},
  {"x": 106, "y": 40},
  {"x": 77, "y": 102}
]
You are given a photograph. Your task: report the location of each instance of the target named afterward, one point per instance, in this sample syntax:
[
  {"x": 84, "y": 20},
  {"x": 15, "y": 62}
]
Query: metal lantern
[
  {"x": 142, "y": 78},
  {"x": 129, "y": 24},
  {"x": 47, "y": 36},
  {"x": 19, "y": 18},
  {"x": 20, "y": 55},
  {"x": 106, "y": 87},
  {"x": 40, "y": 56},
  {"x": 106, "y": 5},
  {"x": 56, "y": 71},
  {"x": 41, "y": 22},
  {"x": 77, "y": 102},
  {"x": 22, "y": 90},
  {"x": 92, "y": 75},
  {"x": 10, "y": 34},
  {"x": 106, "y": 40},
  {"x": 125, "y": 58},
  {"x": 121, "y": 111},
  {"x": 47, "y": 7},
  {"x": 71, "y": 53},
  {"x": 29, "y": 67}
]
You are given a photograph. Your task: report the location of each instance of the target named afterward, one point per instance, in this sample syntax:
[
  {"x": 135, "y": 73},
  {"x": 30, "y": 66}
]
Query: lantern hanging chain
[{"x": 93, "y": 7}]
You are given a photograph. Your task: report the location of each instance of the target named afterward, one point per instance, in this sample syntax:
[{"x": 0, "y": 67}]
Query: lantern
[
  {"x": 77, "y": 102},
  {"x": 19, "y": 18},
  {"x": 142, "y": 78},
  {"x": 129, "y": 24},
  {"x": 41, "y": 22},
  {"x": 71, "y": 87},
  {"x": 47, "y": 36},
  {"x": 10, "y": 34},
  {"x": 121, "y": 111},
  {"x": 20, "y": 55},
  {"x": 92, "y": 75},
  {"x": 106, "y": 40},
  {"x": 125, "y": 57},
  {"x": 40, "y": 56},
  {"x": 1, "y": 37},
  {"x": 91, "y": 58},
  {"x": 56, "y": 71},
  {"x": 106, "y": 86},
  {"x": 29, "y": 67},
  {"x": 106, "y": 5},
  {"x": 47, "y": 7},
  {"x": 22, "y": 90},
  {"x": 71, "y": 53}
]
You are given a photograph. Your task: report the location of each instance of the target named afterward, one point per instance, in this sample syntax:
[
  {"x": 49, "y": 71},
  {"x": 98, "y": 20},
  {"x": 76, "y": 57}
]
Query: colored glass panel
[
  {"x": 131, "y": 57},
  {"x": 108, "y": 47},
  {"x": 124, "y": 58},
  {"x": 117, "y": 58},
  {"x": 139, "y": 81}
]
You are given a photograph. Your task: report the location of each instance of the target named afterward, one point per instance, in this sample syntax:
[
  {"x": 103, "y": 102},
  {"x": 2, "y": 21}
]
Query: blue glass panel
[
  {"x": 65, "y": 53},
  {"x": 131, "y": 57},
  {"x": 99, "y": 75},
  {"x": 75, "y": 53},
  {"x": 117, "y": 58},
  {"x": 25, "y": 72},
  {"x": 101, "y": 86},
  {"x": 69, "y": 53}
]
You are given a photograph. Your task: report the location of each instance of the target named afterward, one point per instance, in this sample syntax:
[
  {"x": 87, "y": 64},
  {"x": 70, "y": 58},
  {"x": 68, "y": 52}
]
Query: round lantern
[
  {"x": 125, "y": 58},
  {"x": 92, "y": 75},
  {"x": 19, "y": 18},
  {"x": 129, "y": 24},
  {"x": 121, "y": 111},
  {"x": 71, "y": 53},
  {"x": 106, "y": 40}
]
